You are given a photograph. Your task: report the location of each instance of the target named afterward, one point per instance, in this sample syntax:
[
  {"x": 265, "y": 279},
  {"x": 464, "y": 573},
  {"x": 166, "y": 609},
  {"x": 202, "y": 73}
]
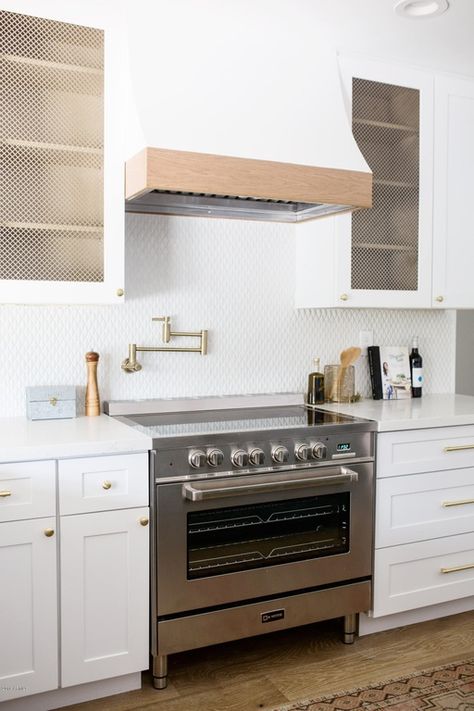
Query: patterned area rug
[{"x": 449, "y": 687}]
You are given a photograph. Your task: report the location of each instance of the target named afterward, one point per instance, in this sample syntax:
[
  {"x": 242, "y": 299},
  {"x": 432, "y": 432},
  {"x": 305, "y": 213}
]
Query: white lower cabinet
[
  {"x": 91, "y": 484},
  {"x": 416, "y": 451},
  {"x": 424, "y": 506},
  {"x": 28, "y": 607},
  {"x": 423, "y": 574},
  {"x": 424, "y": 538},
  {"x": 27, "y": 490},
  {"x": 97, "y": 628},
  {"x": 104, "y": 595}
]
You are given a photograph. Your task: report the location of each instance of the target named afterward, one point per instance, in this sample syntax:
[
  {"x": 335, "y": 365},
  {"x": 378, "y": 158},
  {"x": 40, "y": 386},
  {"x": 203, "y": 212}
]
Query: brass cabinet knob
[
  {"x": 106, "y": 484},
  {"x": 48, "y": 532},
  {"x": 439, "y": 298},
  {"x": 143, "y": 521},
  {"x": 120, "y": 292},
  {"x": 53, "y": 401},
  {"x": 4, "y": 494},
  {"x": 344, "y": 297}
]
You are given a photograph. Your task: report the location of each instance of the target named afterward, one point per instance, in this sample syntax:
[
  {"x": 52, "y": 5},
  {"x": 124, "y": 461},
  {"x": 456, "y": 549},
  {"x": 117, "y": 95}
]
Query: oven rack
[
  {"x": 257, "y": 555},
  {"x": 274, "y": 518}
]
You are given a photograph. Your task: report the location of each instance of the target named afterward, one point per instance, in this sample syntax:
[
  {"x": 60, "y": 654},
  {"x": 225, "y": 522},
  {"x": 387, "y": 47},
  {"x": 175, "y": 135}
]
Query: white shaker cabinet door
[
  {"x": 28, "y": 608},
  {"x": 453, "y": 246},
  {"x": 104, "y": 595}
]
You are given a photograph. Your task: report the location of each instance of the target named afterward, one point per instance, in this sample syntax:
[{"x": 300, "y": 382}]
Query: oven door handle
[{"x": 201, "y": 491}]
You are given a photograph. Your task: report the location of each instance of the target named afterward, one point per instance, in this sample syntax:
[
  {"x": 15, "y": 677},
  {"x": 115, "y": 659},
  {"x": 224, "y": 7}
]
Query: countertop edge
[
  {"x": 431, "y": 411},
  {"x": 27, "y": 440}
]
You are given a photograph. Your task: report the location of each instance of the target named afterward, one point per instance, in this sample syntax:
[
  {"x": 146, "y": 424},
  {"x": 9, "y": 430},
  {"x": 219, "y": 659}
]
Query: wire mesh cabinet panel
[
  {"x": 385, "y": 251},
  {"x": 379, "y": 257},
  {"x": 61, "y": 194}
]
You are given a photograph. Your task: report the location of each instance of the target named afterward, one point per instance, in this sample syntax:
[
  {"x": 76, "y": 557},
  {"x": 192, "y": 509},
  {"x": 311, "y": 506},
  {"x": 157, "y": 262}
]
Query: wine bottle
[
  {"x": 416, "y": 369},
  {"x": 315, "y": 386}
]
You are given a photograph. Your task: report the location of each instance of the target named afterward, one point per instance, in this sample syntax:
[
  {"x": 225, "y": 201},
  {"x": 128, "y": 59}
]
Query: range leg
[
  {"x": 350, "y": 623},
  {"x": 160, "y": 671}
]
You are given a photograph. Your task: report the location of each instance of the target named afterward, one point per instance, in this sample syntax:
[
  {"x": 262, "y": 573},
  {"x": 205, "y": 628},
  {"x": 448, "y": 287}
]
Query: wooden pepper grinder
[{"x": 92, "y": 389}]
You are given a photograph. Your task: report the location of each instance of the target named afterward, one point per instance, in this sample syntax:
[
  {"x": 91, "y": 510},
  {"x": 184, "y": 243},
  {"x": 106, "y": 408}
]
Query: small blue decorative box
[{"x": 51, "y": 402}]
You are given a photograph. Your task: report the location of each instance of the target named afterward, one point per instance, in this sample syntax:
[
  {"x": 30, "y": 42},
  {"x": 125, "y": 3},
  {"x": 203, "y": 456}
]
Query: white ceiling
[{"x": 371, "y": 27}]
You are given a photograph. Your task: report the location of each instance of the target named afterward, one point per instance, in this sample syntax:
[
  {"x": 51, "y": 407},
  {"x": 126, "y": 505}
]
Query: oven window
[{"x": 240, "y": 538}]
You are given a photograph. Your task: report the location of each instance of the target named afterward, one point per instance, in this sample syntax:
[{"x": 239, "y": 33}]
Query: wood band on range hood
[{"x": 159, "y": 169}]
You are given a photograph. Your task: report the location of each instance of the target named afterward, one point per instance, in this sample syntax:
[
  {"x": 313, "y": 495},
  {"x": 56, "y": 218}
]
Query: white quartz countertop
[
  {"x": 22, "y": 439},
  {"x": 414, "y": 413}
]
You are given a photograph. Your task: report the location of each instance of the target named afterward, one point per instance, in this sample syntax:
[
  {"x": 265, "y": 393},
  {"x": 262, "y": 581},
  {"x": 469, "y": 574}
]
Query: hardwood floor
[{"x": 264, "y": 672}]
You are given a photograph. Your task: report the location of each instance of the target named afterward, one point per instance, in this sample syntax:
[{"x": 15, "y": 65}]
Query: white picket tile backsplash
[{"x": 234, "y": 278}]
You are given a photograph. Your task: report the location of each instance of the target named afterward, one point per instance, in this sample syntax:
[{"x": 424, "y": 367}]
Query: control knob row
[
  {"x": 303, "y": 452},
  {"x": 240, "y": 458},
  {"x": 214, "y": 458},
  {"x": 198, "y": 458},
  {"x": 256, "y": 456}
]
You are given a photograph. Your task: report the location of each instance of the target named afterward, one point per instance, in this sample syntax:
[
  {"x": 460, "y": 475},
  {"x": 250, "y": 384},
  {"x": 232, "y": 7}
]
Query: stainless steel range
[{"x": 262, "y": 520}]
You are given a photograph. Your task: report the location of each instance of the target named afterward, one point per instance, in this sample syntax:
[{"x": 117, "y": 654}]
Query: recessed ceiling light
[{"x": 419, "y": 9}]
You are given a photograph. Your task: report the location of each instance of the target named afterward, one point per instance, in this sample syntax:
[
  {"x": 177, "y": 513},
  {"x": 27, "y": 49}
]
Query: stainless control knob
[
  {"x": 302, "y": 452},
  {"x": 239, "y": 458},
  {"x": 280, "y": 454},
  {"x": 215, "y": 457},
  {"x": 197, "y": 458},
  {"x": 257, "y": 457},
  {"x": 318, "y": 451}
]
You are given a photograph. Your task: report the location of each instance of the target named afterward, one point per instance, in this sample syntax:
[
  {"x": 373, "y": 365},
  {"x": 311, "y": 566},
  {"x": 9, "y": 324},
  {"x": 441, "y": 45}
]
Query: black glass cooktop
[{"x": 183, "y": 424}]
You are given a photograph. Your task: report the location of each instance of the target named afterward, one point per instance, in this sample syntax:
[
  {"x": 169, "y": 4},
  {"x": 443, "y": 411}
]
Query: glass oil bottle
[{"x": 315, "y": 395}]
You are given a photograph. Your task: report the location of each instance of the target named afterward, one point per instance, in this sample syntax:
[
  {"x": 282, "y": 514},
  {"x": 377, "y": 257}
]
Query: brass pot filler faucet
[{"x": 131, "y": 365}]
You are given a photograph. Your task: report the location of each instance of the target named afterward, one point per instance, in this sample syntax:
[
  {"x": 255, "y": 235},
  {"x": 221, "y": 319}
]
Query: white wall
[
  {"x": 235, "y": 278},
  {"x": 253, "y": 77},
  {"x": 465, "y": 352}
]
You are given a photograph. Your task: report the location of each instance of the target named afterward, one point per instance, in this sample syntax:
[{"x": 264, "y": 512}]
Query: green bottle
[{"x": 315, "y": 386}]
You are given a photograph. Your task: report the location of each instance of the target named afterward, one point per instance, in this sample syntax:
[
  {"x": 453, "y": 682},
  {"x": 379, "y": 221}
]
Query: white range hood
[{"x": 238, "y": 118}]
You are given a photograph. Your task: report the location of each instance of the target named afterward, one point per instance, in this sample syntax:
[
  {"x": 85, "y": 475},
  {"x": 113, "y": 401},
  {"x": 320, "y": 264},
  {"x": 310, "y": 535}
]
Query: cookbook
[{"x": 389, "y": 372}]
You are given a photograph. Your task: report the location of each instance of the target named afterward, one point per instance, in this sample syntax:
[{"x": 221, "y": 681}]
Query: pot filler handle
[{"x": 202, "y": 491}]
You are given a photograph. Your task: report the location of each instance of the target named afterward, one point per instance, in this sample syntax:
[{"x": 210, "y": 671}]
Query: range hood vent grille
[
  {"x": 174, "y": 202},
  {"x": 165, "y": 182}
]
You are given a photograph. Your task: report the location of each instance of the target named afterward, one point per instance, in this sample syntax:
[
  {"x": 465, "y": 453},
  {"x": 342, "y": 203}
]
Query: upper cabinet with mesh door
[
  {"x": 414, "y": 247},
  {"x": 381, "y": 257},
  {"x": 61, "y": 184}
]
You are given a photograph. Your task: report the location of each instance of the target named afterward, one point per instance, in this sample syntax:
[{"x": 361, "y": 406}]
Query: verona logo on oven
[{"x": 273, "y": 615}]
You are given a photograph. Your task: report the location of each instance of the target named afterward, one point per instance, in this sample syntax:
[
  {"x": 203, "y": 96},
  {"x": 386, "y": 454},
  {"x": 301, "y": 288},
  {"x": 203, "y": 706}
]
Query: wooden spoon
[{"x": 348, "y": 357}]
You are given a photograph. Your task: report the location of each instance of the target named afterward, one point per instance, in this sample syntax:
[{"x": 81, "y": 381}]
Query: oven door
[{"x": 244, "y": 537}]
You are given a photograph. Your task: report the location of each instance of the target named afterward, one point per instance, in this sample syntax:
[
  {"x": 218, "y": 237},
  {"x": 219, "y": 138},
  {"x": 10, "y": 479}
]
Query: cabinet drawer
[
  {"x": 423, "y": 506},
  {"x": 27, "y": 490},
  {"x": 103, "y": 483},
  {"x": 422, "y": 574},
  {"x": 415, "y": 451}
]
